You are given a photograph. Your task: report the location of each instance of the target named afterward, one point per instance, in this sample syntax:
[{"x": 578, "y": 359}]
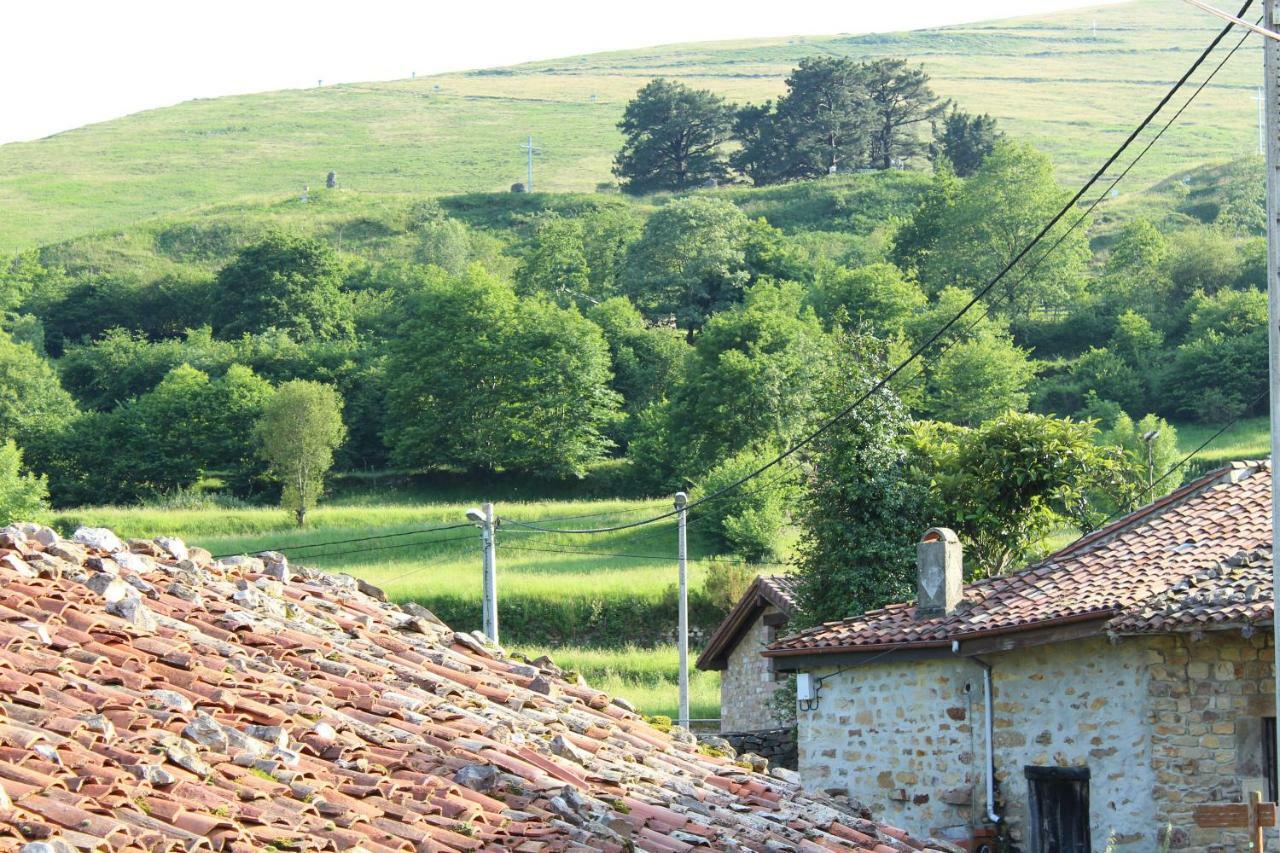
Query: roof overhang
[
  {"x": 1077, "y": 627},
  {"x": 759, "y": 596}
]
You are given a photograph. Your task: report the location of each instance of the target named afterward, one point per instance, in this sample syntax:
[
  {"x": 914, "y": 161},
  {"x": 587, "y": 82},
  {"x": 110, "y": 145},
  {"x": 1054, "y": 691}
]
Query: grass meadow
[
  {"x": 1073, "y": 83},
  {"x": 645, "y": 677},
  {"x": 1249, "y": 438}
]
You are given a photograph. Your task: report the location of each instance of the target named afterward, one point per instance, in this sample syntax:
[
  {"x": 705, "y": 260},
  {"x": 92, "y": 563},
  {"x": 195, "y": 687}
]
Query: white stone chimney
[{"x": 940, "y": 573}]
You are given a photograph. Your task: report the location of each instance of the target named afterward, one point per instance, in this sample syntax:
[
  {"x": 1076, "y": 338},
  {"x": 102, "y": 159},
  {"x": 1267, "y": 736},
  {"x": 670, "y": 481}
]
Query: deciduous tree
[
  {"x": 298, "y": 433},
  {"x": 483, "y": 380},
  {"x": 996, "y": 214},
  {"x": 285, "y": 282},
  {"x": 750, "y": 380},
  {"x": 979, "y": 378},
  {"x": 690, "y": 261},
  {"x": 555, "y": 264},
  {"x": 23, "y": 495}
]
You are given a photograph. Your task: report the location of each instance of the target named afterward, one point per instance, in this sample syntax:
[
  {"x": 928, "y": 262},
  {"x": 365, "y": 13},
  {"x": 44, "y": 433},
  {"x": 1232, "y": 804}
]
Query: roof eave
[
  {"x": 757, "y": 597},
  {"x": 1099, "y": 616}
]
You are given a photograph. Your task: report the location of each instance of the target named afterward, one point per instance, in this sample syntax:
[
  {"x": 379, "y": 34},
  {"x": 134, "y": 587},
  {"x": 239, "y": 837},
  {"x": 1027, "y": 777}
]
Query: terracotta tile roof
[
  {"x": 1232, "y": 594},
  {"x": 1103, "y": 574},
  {"x": 781, "y": 590},
  {"x": 766, "y": 590},
  {"x": 153, "y": 699}
]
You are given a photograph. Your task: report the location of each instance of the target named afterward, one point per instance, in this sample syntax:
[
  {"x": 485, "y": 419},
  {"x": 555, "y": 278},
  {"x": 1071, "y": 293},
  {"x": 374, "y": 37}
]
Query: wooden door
[{"x": 1058, "y": 799}]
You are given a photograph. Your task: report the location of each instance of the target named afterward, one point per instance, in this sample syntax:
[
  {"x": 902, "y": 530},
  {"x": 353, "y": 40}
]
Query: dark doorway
[{"x": 1059, "y": 806}]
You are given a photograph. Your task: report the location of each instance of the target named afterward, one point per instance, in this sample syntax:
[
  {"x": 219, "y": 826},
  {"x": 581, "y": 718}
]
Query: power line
[
  {"x": 285, "y": 549},
  {"x": 390, "y": 547},
  {"x": 928, "y": 343},
  {"x": 652, "y": 557},
  {"x": 599, "y": 514}
]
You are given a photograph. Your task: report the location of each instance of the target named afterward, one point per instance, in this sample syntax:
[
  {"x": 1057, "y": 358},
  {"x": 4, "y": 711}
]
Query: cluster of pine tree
[{"x": 837, "y": 115}]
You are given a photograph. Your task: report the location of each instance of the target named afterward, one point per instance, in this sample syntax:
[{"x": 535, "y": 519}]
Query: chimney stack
[{"x": 940, "y": 573}]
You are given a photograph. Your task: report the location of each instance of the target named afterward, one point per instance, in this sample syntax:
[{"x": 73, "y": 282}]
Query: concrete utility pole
[
  {"x": 1271, "y": 81},
  {"x": 683, "y": 639},
  {"x": 484, "y": 519},
  {"x": 1262, "y": 121},
  {"x": 490, "y": 576},
  {"x": 530, "y": 150}
]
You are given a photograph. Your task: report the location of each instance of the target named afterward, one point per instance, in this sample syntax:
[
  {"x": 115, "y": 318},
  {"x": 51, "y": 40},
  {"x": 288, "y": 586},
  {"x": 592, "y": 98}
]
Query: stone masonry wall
[
  {"x": 1078, "y": 704},
  {"x": 900, "y": 739},
  {"x": 1208, "y": 701},
  {"x": 778, "y": 745},
  {"x": 747, "y": 684},
  {"x": 906, "y": 739}
]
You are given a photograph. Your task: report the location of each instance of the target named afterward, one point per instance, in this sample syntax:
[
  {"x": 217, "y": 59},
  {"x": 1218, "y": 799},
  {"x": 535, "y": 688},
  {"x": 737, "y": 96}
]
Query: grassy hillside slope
[{"x": 1056, "y": 80}]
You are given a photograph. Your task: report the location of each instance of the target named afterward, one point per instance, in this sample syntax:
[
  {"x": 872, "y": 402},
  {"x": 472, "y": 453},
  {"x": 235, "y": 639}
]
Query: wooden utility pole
[{"x": 1271, "y": 91}]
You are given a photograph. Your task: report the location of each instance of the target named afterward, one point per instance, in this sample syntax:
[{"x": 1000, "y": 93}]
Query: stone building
[
  {"x": 748, "y": 716},
  {"x": 747, "y": 680},
  {"x": 1090, "y": 701}
]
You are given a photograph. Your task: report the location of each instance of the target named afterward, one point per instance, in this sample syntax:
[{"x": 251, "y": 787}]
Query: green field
[
  {"x": 646, "y": 677},
  {"x": 1071, "y": 83},
  {"x": 445, "y": 570},
  {"x": 568, "y": 605},
  {"x": 1247, "y": 439}
]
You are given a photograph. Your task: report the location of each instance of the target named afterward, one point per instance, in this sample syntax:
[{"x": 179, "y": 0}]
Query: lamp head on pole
[
  {"x": 475, "y": 516},
  {"x": 681, "y": 500}
]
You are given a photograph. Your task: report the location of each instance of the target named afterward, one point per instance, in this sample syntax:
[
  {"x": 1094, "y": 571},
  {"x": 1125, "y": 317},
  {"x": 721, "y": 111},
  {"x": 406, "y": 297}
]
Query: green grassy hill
[{"x": 1056, "y": 80}]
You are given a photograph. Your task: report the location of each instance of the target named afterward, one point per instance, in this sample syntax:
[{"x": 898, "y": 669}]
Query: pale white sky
[{"x": 65, "y": 63}]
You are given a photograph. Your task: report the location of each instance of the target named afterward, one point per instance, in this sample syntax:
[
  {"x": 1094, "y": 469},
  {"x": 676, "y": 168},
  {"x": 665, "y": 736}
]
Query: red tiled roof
[
  {"x": 776, "y": 590},
  {"x": 152, "y": 699},
  {"x": 1100, "y": 575},
  {"x": 1232, "y": 594}
]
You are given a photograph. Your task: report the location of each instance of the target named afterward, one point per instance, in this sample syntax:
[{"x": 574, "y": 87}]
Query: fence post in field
[{"x": 682, "y": 639}]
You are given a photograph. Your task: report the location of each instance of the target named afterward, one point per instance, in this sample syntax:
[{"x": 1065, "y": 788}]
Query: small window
[{"x": 1269, "y": 756}]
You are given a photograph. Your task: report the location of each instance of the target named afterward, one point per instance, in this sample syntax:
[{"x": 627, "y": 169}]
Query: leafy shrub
[
  {"x": 1216, "y": 378},
  {"x": 749, "y": 519},
  {"x": 23, "y": 496},
  {"x": 726, "y": 582}
]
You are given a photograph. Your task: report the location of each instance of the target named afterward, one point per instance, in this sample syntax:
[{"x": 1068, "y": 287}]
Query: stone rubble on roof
[
  {"x": 152, "y": 698},
  {"x": 1235, "y": 593}
]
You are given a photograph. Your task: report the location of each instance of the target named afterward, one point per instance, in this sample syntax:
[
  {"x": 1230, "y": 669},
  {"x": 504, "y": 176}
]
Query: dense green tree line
[{"x": 686, "y": 342}]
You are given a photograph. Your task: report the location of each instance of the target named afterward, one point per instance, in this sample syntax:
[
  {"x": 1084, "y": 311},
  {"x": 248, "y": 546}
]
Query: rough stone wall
[
  {"x": 900, "y": 738},
  {"x": 1208, "y": 700},
  {"x": 907, "y": 739},
  {"x": 747, "y": 684},
  {"x": 778, "y": 745},
  {"x": 1078, "y": 704}
]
